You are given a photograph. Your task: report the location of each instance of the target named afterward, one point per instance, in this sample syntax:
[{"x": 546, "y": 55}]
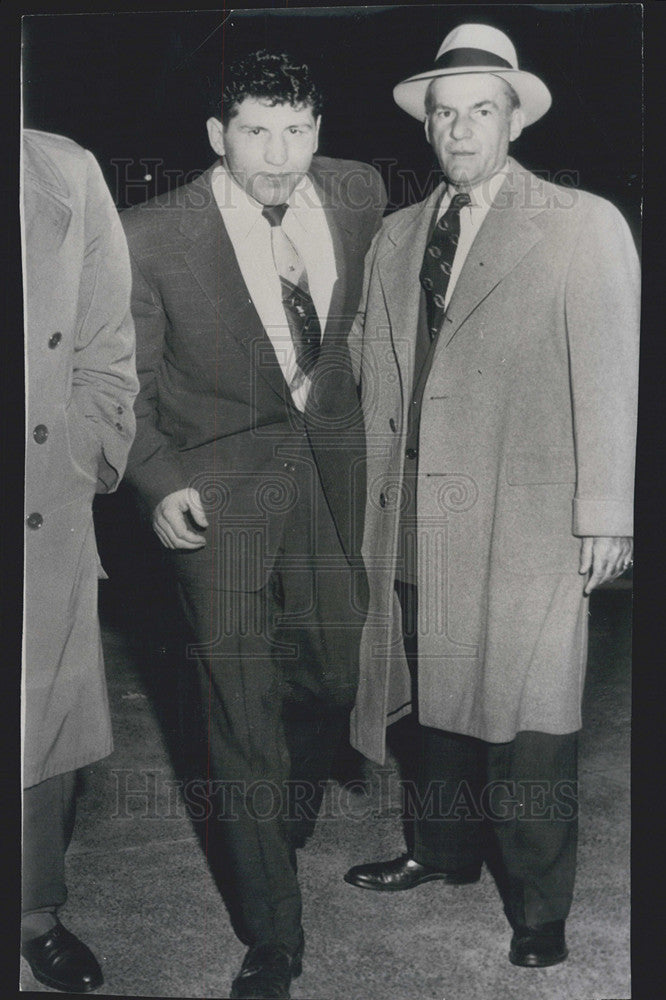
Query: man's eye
[{"x": 295, "y": 131}]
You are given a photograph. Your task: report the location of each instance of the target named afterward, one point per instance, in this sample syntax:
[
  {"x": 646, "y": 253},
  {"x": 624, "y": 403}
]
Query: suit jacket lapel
[
  {"x": 214, "y": 266},
  {"x": 506, "y": 236},
  {"x": 344, "y": 230},
  {"x": 399, "y": 269}
]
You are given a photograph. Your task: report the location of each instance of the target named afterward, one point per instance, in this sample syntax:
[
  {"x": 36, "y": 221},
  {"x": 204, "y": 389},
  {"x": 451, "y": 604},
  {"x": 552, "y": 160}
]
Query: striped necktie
[{"x": 298, "y": 305}]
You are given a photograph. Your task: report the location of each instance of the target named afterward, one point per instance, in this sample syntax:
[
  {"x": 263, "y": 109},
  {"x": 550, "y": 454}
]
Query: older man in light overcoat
[{"x": 496, "y": 348}]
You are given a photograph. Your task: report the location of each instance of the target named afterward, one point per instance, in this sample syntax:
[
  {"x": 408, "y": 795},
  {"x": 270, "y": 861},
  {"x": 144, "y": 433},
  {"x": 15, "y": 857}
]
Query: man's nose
[
  {"x": 461, "y": 129},
  {"x": 275, "y": 151}
]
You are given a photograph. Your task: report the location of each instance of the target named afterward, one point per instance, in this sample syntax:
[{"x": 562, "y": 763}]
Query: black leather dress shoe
[
  {"x": 267, "y": 972},
  {"x": 538, "y": 947},
  {"x": 404, "y": 873},
  {"x": 59, "y": 960}
]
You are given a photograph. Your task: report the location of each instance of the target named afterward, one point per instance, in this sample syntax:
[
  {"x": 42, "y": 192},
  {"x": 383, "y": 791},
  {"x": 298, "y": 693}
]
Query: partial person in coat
[
  {"x": 249, "y": 456},
  {"x": 80, "y": 387},
  {"x": 497, "y": 351}
]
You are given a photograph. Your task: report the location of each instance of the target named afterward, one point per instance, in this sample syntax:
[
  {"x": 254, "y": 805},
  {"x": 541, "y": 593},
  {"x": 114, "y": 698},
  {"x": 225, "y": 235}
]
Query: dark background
[{"x": 134, "y": 87}]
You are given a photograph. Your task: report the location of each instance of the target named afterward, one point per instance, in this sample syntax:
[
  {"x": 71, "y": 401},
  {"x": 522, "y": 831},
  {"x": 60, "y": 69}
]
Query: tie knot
[
  {"x": 274, "y": 213},
  {"x": 460, "y": 200}
]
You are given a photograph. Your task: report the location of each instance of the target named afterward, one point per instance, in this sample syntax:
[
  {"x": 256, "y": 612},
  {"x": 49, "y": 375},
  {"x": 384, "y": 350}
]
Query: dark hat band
[{"x": 456, "y": 58}]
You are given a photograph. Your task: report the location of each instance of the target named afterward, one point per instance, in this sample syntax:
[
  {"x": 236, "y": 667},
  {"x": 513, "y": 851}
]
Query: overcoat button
[
  {"x": 119, "y": 427},
  {"x": 392, "y": 424},
  {"x": 411, "y": 453},
  {"x": 55, "y": 339},
  {"x": 34, "y": 521},
  {"x": 289, "y": 466},
  {"x": 40, "y": 433},
  {"x": 382, "y": 500},
  {"x": 119, "y": 409}
]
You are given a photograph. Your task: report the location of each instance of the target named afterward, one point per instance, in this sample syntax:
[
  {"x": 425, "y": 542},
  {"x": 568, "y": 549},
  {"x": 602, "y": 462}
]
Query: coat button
[
  {"x": 411, "y": 453},
  {"x": 34, "y": 521},
  {"x": 392, "y": 424},
  {"x": 40, "y": 433},
  {"x": 55, "y": 339},
  {"x": 119, "y": 427},
  {"x": 119, "y": 409},
  {"x": 382, "y": 500},
  {"x": 289, "y": 466}
]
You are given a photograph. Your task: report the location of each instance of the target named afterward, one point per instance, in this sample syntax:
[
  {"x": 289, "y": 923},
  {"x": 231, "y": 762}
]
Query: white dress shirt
[
  {"x": 471, "y": 217},
  {"x": 250, "y": 233}
]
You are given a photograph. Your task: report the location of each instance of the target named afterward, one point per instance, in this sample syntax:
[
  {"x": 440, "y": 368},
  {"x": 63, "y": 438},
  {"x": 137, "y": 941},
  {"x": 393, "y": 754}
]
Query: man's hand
[
  {"x": 170, "y": 522},
  {"x": 604, "y": 557}
]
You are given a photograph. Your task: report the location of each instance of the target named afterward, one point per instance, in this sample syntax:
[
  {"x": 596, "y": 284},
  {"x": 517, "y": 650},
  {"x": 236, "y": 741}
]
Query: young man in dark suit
[{"x": 249, "y": 453}]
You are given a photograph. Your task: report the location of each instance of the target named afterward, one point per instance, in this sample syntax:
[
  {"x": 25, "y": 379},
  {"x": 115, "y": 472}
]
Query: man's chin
[{"x": 273, "y": 190}]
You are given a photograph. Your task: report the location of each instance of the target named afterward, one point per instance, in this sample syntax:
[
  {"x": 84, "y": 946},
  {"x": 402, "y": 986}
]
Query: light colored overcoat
[
  {"x": 80, "y": 386},
  {"x": 526, "y": 444}
]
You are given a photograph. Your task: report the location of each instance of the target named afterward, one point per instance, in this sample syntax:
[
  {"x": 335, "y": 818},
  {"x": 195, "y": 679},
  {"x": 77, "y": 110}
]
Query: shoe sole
[
  {"x": 533, "y": 962},
  {"x": 54, "y": 985},
  {"x": 449, "y": 879}
]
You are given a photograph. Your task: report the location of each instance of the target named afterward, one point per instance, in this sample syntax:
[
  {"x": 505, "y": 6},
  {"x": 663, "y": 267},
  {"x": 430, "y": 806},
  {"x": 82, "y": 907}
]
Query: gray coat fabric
[
  {"x": 526, "y": 444},
  {"x": 80, "y": 386}
]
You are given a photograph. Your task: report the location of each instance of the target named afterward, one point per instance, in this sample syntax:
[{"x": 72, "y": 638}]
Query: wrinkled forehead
[{"x": 462, "y": 89}]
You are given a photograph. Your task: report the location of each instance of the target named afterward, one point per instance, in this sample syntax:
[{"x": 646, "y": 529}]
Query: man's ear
[
  {"x": 426, "y": 128},
  {"x": 216, "y": 135},
  {"x": 516, "y": 124}
]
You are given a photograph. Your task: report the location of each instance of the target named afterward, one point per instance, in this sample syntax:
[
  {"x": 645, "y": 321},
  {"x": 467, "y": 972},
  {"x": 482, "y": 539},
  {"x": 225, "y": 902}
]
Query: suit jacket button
[
  {"x": 392, "y": 424},
  {"x": 289, "y": 466},
  {"x": 411, "y": 453},
  {"x": 119, "y": 427},
  {"x": 55, "y": 339},
  {"x": 119, "y": 409},
  {"x": 382, "y": 500},
  {"x": 40, "y": 433},
  {"x": 34, "y": 521}
]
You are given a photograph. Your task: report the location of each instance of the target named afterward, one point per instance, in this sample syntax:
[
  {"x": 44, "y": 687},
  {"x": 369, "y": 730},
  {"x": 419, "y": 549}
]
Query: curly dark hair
[{"x": 275, "y": 76}]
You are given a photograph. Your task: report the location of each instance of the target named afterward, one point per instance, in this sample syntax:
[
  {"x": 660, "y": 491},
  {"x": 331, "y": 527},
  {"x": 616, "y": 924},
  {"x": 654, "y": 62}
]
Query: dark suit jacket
[{"x": 214, "y": 411}]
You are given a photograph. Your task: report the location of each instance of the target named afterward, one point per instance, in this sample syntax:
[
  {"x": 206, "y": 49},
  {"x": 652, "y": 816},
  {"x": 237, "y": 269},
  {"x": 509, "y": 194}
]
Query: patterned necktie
[
  {"x": 296, "y": 299},
  {"x": 438, "y": 259}
]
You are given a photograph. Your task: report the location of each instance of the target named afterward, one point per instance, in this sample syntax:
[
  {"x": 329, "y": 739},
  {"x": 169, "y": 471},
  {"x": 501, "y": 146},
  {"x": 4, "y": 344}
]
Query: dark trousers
[
  {"x": 49, "y": 810},
  {"x": 278, "y": 671},
  {"x": 511, "y": 804}
]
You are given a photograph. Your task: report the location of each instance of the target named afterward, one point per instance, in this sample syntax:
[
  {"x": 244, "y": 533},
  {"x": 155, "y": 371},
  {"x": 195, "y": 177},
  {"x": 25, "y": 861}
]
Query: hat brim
[{"x": 535, "y": 98}]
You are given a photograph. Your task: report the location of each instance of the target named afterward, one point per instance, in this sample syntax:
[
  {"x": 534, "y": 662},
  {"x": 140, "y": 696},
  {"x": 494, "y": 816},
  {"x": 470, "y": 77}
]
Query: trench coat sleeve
[
  {"x": 356, "y": 334},
  {"x": 154, "y": 467},
  {"x": 104, "y": 381},
  {"x": 602, "y": 319}
]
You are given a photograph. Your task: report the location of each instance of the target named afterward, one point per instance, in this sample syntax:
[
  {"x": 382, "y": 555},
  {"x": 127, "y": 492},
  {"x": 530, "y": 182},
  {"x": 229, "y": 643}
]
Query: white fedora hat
[{"x": 476, "y": 48}]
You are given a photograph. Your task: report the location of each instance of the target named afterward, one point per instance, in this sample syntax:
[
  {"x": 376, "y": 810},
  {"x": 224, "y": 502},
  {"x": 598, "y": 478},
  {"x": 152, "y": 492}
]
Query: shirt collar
[{"x": 482, "y": 195}]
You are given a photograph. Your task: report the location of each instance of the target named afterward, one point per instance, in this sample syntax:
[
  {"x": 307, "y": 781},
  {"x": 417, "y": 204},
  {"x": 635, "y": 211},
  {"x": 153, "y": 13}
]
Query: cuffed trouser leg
[
  {"x": 247, "y": 846},
  {"x": 538, "y": 839},
  {"x": 49, "y": 810}
]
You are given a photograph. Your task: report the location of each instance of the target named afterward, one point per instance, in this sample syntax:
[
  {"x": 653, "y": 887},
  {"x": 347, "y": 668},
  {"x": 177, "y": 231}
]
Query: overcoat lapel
[
  {"x": 399, "y": 269},
  {"x": 339, "y": 448},
  {"x": 506, "y": 236}
]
